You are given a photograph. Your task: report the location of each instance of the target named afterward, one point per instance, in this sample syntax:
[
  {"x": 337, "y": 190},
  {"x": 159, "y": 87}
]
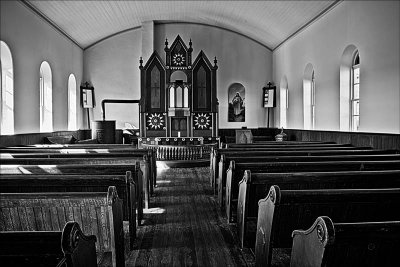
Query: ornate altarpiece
[{"x": 178, "y": 97}]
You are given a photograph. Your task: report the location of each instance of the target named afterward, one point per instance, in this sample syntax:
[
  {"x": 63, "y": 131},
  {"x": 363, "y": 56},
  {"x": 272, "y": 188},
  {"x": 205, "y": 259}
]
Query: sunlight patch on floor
[
  {"x": 162, "y": 166},
  {"x": 154, "y": 211}
]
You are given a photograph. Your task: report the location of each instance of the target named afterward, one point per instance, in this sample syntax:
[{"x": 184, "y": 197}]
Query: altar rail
[{"x": 188, "y": 152}]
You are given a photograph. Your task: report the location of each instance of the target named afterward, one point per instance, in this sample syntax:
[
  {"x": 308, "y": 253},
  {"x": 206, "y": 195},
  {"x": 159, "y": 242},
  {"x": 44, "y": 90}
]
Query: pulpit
[{"x": 178, "y": 96}]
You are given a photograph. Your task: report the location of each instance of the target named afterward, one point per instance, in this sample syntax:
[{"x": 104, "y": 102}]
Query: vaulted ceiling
[{"x": 267, "y": 22}]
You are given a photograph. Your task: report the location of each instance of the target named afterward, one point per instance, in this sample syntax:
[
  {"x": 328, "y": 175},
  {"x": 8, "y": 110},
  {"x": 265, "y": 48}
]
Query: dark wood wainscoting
[
  {"x": 37, "y": 138},
  {"x": 374, "y": 140}
]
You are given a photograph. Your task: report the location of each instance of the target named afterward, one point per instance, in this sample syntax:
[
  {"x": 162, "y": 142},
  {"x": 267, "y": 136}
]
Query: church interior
[{"x": 199, "y": 133}]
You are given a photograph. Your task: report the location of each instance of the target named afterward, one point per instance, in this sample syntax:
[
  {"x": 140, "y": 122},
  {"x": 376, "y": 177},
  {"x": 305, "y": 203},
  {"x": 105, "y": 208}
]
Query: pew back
[
  {"x": 283, "y": 211},
  {"x": 236, "y": 171},
  {"x": 225, "y": 160},
  {"x": 99, "y": 214},
  {"x": 142, "y": 193},
  {"x": 125, "y": 185}
]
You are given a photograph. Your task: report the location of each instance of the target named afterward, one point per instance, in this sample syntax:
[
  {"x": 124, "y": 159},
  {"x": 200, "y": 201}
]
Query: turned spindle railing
[{"x": 189, "y": 152}]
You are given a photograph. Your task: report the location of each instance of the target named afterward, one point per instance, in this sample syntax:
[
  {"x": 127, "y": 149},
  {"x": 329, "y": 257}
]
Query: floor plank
[{"x": 184, "y": 226}]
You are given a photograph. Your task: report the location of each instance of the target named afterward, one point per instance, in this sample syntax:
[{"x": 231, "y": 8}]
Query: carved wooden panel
[
  {"x": 155, "y": 94},
  {"x": 202, "y": 88},
  {"x": 202, "y": 121}
]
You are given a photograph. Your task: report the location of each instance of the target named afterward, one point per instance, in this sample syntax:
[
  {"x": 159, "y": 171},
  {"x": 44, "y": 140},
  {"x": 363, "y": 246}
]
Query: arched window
[
  {"x": 179, "y": 95},
  {"x": 355, "y": 94},
  {"x": 350, "y": 89},
  {"x": 186, "y": 97},
  {"x": 7, "y": 90},
  {"x": 284, "y": 101},
  {"x": 171, "y": 97},
  {"x": 72, "y": 125},
  {"x": 309, "y": 97},
  {"x": 46, "y": 98},
  {"x": 313, "y": 101}
]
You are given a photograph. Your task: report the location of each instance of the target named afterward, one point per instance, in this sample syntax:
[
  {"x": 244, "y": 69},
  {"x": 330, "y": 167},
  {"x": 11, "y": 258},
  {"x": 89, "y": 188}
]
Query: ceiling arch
[{"x": 267, "y": 22}]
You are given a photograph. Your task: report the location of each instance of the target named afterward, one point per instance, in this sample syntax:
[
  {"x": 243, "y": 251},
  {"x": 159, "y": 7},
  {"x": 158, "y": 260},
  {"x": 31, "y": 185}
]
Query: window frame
[
  {"x": 312, "y": 93},
  {"x": 72, "y": 119},
  {"x": 355, "y": 102},
  {"x": 7, "y": 112},
  {"x": 45, "y": 98}
]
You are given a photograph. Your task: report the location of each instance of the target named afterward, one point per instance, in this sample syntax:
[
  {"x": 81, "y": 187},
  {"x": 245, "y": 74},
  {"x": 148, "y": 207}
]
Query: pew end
[
  {"x": 71, "y": 248},
  {"x": 228, "y": 192},
  {"x": 309, "y": 245},
  {"x": 78, "y": 249},
  {"x": 346, "y": 244},
  {"x": 263, "y": 250}
]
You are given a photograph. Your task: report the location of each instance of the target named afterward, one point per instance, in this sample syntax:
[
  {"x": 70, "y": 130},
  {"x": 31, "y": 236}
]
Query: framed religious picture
[
  {"x": 236, "y": 103},
  {"x": 269, "y": 96}
]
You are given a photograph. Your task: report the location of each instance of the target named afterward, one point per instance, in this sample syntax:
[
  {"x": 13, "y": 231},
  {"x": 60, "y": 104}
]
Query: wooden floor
[{"x": 184, "y": 227}]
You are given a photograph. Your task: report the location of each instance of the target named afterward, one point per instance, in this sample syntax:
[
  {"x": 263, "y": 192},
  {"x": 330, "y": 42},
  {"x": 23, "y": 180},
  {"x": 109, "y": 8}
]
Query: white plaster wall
[
  {"x": 240, "y": 60},
  {"x": 31, "y": 41},
  {"x": 112, "y": 66},
  {"x": 373, "y": 27}
]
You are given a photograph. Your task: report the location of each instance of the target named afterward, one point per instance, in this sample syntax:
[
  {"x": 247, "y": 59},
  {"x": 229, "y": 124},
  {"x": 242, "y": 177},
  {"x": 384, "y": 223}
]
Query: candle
[{"x": 179, "y": 134}]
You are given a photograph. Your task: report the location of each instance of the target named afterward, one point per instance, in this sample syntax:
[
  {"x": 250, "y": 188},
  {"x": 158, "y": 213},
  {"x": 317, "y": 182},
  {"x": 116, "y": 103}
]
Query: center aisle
[{"x": 184, "y": 227}]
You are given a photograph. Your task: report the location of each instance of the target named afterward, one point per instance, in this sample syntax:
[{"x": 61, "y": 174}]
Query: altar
[{"x": 178, "y": 96}]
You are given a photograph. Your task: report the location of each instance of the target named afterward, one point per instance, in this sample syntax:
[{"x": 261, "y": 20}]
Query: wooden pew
[
  {"x": 346, "y": 244},
  {"x": 286, "y": 145},
  {"x": 144, "y": 166},
  {"x": 94, "y": 169},
  {"x": 225, "y": 160},
  {"x": 103, "y": 150},
  {"x": 32, "y": 183},
  {"x": 98, "y": 213},
  {"x": 148, "y": 152},
  {"x": 215, "y": 156},
  {"x": 231, "y": 140},
  {"x": 256, "y": 186},
  {"x": 148, "y": 168},
  {"x": 283, "y": 211},
  {"x": 69, "y": 247},
  {"x": 32, "y": 160},
  {"x": 236, "y": 171}
]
